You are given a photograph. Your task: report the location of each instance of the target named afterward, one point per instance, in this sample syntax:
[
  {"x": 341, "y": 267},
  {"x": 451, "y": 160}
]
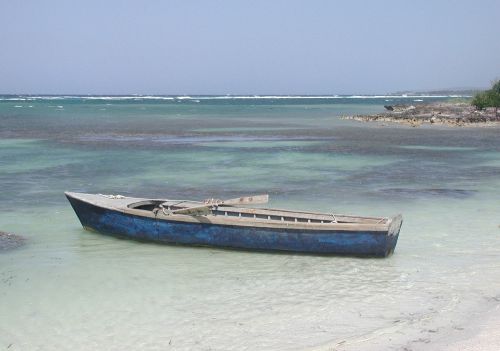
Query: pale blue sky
[{"x": 246, "y": 47}]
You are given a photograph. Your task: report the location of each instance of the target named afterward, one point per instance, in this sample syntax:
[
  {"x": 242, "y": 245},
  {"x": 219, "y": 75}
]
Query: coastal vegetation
[
  {"x": 488, "y": 98},
  {"x": 481, "y": 110}
]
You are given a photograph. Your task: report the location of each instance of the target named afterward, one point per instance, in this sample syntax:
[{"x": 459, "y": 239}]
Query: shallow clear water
[{"x": 68, "y": 288}]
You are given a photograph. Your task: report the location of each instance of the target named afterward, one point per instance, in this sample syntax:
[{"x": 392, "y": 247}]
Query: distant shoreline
[{"x": 455, "y": 114}]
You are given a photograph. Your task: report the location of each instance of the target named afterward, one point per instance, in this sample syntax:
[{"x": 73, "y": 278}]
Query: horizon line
[{"x": 399, "y": 93}]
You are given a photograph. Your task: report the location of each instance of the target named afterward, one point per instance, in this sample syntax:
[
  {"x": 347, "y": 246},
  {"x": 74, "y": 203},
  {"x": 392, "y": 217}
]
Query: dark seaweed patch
[
  {"x": 10, "y": 241},
  {"x": 430, "y": 192}
]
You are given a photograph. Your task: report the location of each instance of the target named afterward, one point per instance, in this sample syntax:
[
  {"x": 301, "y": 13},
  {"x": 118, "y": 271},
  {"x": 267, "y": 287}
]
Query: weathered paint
[{"x": 359, "y": 243}]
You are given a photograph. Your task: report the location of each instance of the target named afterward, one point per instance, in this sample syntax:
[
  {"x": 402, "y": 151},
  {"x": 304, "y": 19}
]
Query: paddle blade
[{"x": 248, "y": 200}]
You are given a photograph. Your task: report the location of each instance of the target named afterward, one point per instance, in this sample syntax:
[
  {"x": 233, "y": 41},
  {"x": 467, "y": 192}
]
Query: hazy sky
[{"x": 246, "y": 47}]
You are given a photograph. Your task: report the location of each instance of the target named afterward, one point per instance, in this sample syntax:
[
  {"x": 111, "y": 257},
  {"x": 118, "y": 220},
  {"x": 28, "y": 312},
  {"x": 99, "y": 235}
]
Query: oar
[{"x": 244, "y": 200}]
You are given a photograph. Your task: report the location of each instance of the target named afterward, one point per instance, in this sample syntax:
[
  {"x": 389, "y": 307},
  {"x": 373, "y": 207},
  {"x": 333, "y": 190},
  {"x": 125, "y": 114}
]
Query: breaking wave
[{"x": 197, "y": 98}]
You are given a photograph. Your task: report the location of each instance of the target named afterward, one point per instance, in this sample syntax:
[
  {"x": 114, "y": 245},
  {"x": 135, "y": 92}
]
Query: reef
[{"x": 437, "y": 113}]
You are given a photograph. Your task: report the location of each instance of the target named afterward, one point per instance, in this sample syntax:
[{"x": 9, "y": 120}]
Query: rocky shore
[{"x": 438, "y": 113}]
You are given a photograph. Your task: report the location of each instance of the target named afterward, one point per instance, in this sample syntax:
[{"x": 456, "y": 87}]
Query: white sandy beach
[
  {"x": 482, "y": 335},
  {"x": 481, "y": 332}
]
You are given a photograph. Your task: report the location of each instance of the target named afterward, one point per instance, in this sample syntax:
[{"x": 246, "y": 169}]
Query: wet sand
[{"x": 482, "y": 334}]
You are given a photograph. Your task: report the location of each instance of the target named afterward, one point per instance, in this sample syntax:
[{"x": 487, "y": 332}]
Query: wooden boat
[{"x": 230, "y": 225}]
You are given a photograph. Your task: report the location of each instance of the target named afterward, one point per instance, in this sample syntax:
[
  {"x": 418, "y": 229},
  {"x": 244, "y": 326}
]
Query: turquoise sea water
[{"x": 72, "y": 289}]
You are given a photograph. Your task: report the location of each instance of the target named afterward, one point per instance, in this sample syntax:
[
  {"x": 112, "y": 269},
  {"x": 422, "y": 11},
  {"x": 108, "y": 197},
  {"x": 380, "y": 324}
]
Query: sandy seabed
[{"x": 483, "y": 334}]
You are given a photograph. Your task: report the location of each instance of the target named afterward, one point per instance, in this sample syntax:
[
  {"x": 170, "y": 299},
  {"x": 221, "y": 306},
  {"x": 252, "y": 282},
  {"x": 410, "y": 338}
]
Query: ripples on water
[{"x": 70, "y": 288}]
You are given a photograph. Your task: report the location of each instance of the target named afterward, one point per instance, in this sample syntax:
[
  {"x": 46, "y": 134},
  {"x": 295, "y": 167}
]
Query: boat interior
[{"x": 170, "y": 207}]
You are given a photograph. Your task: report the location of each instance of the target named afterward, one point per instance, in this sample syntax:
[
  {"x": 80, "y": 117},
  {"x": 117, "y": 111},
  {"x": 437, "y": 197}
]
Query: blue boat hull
[{"x": 117, "y": 223}]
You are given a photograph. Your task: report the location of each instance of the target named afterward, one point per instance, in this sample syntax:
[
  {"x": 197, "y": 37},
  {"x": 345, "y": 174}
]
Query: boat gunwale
[{"x": 124, "y": 203}]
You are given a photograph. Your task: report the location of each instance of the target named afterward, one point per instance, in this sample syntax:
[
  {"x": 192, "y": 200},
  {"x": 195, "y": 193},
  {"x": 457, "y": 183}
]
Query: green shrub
[
  {"x": 488, "y": 98},
  {"x": 480, "y": 101}
]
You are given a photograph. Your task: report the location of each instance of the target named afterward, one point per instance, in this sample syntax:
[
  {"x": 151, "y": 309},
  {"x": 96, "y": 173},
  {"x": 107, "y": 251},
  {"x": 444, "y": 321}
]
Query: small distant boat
[{"x": 227, "y": 224}]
